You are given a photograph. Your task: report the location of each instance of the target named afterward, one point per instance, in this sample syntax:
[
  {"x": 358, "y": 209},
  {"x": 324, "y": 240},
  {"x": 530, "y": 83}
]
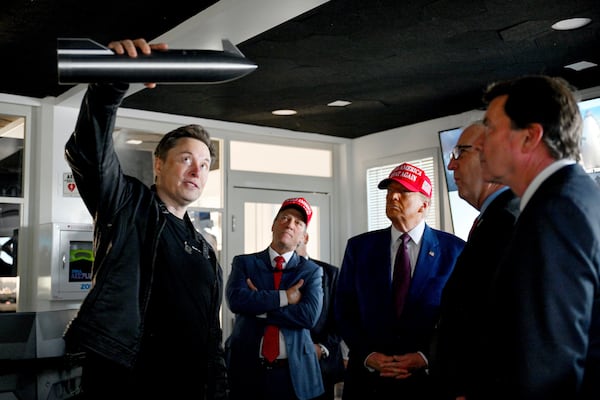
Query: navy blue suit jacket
[
  {"x": 294, "y": 320},
  {"x": 545, "y": 337},
  {"x": 363, "y": 307}
]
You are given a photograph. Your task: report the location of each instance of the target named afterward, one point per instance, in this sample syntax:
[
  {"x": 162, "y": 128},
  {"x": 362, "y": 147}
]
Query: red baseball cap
[
  {"x": 300, "y": 204},
  {"x": 411, "y": 177}
]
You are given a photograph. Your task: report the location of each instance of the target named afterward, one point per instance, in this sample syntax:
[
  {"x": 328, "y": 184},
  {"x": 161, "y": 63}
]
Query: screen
[
  {"x": 590, "y": 140},
  {"x": 462, "y": 213},
  {"x": 81, "y": 258}
]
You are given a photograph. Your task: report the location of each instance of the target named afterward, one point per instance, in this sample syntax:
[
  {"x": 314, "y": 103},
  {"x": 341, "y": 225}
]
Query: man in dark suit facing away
[
  {"x": 464, "y": 307},
  {"x": 324, "y": 334}
]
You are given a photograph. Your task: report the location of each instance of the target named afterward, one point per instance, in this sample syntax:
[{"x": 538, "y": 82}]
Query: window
[
  {"x": 210, "y": 224},
  {"x": 590, "y": 140},
  {"x": 260, "y": 157},
  {"x": 377, "y": 218},
  {"x": 12, "y": 149},
  {"x": 12, "y": 134}
]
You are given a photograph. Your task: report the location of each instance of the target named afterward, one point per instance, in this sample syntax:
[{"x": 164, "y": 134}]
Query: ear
[
  {"x": 532, "y": 136},
  {"x": 424, "y": 206},
  {"x": 157, "y": 166}
]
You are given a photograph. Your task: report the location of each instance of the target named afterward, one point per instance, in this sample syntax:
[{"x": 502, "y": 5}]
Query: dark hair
[
  {"x": 545, "y": 100},
  {"x": 169, "y": 140}
]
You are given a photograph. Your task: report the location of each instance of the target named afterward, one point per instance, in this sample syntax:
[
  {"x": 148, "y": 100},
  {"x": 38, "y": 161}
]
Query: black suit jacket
[
  {"x": 325, "y": 331},
  {"x": 457, "y": 347}
]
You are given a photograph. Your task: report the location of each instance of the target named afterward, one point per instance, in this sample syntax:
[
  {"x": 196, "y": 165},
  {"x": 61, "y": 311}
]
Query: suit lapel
[
  {"x": 286, "y": 278},
  {"x": 266, "y": 269}
]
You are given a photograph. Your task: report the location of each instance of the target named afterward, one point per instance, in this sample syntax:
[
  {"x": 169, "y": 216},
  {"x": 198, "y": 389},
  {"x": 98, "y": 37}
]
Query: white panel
[{"x": 277, "y": 159}]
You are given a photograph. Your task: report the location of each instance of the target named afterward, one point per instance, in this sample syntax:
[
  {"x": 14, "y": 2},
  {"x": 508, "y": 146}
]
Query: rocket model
[{"x": 85, "y": 61}]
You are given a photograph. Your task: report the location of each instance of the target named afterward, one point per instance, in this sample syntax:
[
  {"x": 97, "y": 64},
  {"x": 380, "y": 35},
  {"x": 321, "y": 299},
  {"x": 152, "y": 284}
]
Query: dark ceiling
[{"x": 398, "y": 62}]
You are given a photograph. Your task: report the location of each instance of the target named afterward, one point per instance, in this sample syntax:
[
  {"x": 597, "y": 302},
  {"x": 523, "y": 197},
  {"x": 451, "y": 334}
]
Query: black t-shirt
[{"x": 181, "y": 303}]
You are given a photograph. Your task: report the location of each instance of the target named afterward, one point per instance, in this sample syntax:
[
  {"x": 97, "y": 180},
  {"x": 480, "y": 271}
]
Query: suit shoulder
[
  {"x": 308, "y": 264},
  {"x": 324, "y": 264},
  {"x": 332, "y": 271},
  {"x": 247, "y": 257},
  {"x": 243, "y": 256},
  {"x": 370, "y": 235},
  {"x": 448, "y": 237},
  {"x": 507, "y": 202}
]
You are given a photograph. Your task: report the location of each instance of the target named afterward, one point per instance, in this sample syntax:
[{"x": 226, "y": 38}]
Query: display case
[{"x": 71, "y": 255}]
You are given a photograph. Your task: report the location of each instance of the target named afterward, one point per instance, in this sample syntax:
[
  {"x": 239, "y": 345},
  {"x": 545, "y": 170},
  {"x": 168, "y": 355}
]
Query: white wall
[
  {"x": 64, "y": 208},
  {"x": 351, "y": 159}
]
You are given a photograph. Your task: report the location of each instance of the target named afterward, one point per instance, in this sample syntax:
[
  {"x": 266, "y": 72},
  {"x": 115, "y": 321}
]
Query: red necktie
[
  {"x": 401, "y": 278},
  {"x": 270, "y": 347}
]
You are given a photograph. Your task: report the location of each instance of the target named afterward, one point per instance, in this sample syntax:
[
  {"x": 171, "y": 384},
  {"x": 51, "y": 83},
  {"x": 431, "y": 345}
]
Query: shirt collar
[
  {"x": 416, "y": 233},
  {"x": 540, "y": 178},
  {"x": 491, "y": 198},
  {"x": 286, "y": 256}
]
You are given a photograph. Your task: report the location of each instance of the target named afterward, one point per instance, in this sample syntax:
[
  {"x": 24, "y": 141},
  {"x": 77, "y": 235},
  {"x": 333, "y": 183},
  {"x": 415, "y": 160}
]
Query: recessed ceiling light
[
  {"x": 572, "y": 23},
  {"x": 581, "y": 65},
  {"x": 283, "y": 112},
  {"x": 339, "y": 103},
  {"x": 134, "y": 141}
]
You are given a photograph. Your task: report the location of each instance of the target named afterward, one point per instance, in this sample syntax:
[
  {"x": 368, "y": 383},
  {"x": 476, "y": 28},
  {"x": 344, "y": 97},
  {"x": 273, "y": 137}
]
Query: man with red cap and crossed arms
[{"x": 277, "y": 297}]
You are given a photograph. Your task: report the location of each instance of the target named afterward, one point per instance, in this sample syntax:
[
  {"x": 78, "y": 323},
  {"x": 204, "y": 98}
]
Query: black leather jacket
[{"x": 128, "y": 219}]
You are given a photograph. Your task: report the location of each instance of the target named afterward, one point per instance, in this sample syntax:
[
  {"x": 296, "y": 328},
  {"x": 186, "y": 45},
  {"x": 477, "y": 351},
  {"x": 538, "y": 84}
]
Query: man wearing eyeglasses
[{"x": 463, "y": 306}]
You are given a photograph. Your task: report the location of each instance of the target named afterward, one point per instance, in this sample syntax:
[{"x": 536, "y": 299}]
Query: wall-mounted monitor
[
  {"x": 590, "y": 142},
  {"x": 461, "y": 212}
]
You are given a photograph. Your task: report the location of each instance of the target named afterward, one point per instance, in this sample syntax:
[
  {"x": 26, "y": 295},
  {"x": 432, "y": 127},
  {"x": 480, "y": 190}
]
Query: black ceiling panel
[{"x": 398, "y": 62}]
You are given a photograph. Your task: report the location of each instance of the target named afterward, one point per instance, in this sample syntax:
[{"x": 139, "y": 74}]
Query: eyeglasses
[{"x": 458, "y": 150}]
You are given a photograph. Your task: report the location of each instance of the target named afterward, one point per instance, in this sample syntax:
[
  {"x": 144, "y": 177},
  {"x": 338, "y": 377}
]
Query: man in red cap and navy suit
[
  {"x": 389, "y": 291},
  {"x": 278, "y": 295}
]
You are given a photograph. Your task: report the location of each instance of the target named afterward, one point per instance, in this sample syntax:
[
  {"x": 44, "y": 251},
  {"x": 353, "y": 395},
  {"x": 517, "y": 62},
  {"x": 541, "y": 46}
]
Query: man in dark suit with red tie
[
  {"x": 388, "y": 353},
  {"x": 293, "y": 309},
  {"x": 458, "y": 344}
]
